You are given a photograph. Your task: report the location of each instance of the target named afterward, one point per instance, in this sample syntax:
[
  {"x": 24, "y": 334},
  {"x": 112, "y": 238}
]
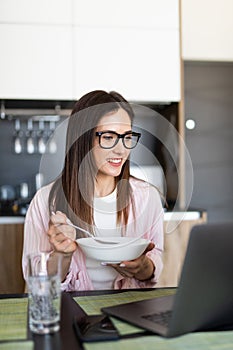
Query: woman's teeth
[{"x": 115, "y": 161}]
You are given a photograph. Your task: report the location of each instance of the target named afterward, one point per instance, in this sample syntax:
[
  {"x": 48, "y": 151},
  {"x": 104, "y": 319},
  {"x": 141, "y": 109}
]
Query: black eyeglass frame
[{"x": 119, "y": 136}]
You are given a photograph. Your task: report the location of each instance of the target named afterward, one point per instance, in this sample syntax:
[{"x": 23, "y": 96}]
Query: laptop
[{"x": 204, "y": 298}]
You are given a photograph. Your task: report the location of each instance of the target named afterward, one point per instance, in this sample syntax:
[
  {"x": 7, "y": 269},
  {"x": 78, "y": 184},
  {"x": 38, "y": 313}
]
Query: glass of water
[{"x": 44, "y": 293}]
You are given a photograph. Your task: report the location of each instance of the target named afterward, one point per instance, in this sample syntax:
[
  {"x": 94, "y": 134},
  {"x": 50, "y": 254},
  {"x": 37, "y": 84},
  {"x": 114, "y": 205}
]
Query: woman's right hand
[{"x": 61, "y": 235}]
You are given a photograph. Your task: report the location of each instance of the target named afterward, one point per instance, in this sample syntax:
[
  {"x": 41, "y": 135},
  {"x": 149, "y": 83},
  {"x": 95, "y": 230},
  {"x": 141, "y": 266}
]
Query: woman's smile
[{"x": 115, "y": 161}]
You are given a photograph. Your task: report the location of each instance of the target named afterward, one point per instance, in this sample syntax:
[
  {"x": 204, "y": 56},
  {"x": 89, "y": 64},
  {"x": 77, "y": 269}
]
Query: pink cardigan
[{"x": 149, "y": 219}]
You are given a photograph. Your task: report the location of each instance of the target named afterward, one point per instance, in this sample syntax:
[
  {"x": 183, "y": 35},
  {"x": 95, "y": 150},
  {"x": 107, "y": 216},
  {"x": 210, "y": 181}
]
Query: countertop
[
  {"x": 182, "y": 215},
  {"x": 168, "y": 215},
  {"x": 5, "y": 220}
]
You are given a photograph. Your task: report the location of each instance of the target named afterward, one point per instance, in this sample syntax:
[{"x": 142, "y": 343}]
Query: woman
[{"x": 96, "y": 192}]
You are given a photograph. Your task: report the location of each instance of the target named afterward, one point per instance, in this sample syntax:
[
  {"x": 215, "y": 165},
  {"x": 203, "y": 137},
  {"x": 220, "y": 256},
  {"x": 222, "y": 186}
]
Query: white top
[
  {"x": 105, "y": 210},
  {"x": 148, "y": 219}
]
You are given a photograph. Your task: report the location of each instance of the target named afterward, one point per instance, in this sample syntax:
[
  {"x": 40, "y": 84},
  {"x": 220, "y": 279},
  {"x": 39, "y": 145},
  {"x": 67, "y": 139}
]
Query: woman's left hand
[{"x": 141, "y": 268}]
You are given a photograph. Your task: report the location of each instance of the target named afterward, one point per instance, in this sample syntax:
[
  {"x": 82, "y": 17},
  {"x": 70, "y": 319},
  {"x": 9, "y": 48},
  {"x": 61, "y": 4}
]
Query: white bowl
[{"x": 115, "y": 253}]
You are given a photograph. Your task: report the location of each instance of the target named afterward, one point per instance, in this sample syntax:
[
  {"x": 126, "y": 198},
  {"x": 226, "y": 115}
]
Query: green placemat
[
  {"x": 13, "y": 318},
  {"x": 92, "y": 305},
  {"x": 19, "y": 345},
  {"x": 193, "y": 341}
]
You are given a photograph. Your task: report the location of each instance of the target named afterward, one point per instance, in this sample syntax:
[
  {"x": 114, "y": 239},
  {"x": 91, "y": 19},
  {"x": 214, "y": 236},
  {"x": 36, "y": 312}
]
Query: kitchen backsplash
[
  {"x": 23, "y": 142},
  {"x": 15, "y": 168}
]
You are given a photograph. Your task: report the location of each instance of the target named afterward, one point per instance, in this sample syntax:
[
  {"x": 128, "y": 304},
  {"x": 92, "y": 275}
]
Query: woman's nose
[{"x": 119, "y": 148}]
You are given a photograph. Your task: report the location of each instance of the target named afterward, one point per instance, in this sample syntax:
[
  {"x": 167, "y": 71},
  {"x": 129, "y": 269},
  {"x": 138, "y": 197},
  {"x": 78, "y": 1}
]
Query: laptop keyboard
[{"x": 161, "y": 318}]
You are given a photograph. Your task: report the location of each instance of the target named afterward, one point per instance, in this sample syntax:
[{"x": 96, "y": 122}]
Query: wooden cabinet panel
[{"x": 11, "y": 246}]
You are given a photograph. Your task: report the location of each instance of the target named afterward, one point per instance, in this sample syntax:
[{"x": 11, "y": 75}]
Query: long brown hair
[{"x": 73, "y": 191}]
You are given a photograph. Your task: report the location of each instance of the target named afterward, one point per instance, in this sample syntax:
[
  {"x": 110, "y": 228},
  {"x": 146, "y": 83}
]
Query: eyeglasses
[{"x": 109, "y": 139}]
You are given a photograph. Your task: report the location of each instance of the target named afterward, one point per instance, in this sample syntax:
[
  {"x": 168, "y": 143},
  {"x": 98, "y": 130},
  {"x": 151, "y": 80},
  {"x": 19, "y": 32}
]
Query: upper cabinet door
[
  {"x": 36, "y": 62},
  {"x": 60, "y": 49},
  {"x": 127, "y": 13},
  {"x": 36, "y": 49},
  {"x": 207, "y": 30},
  {"x": 36, "y": 11},
  {"x": 128, "y": 46},
  {"x": 142, "y": 65}
]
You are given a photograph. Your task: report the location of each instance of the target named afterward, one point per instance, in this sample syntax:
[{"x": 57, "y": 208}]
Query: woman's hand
[
  {"x": 141, "y": 268},
  {"x": 61, "y": 236}
]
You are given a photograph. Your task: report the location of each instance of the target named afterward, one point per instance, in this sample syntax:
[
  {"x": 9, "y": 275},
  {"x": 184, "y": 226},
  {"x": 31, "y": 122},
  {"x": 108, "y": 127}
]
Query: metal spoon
[
  {"x": 98, "y": 239},
  {"x": 102, "y": 240}
]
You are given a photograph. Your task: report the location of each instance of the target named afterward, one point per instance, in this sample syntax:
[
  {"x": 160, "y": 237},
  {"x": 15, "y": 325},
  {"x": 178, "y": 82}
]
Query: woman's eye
[
  {"x": 128, "y": 138},
  {"x": 107, "y": 137}
]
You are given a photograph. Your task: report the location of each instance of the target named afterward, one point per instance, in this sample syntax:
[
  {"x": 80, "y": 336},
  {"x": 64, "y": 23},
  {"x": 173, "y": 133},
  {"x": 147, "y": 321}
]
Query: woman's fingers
[
  {"x": 61, "y": 236},
  {"x": 128, "y": 268},
  {"x": 135, "y": 267},
  {"x": 58, "y": 218},
  {"x": 123, "y": 271},
  {"x": 67, "y": 230},
  {"x": 150, "y": 246},
  {"x": 66, "y": 246},
  {"x": 59, "y": 221},
  {"x": 61, "y": 242}
]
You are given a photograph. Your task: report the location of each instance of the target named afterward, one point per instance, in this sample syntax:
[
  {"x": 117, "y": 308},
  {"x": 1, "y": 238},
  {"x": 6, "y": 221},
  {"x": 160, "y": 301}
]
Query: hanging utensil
[
  {"x": 18, "y": 142},
  {"x": 30, "y": 137},
  {"x": 42, "y": 139},
  {"x": 2, "y": 113},
  {"x": 52, "y": 142},
  {"x": 23, "y": 190},
  {"x": 39, "y": 181}
]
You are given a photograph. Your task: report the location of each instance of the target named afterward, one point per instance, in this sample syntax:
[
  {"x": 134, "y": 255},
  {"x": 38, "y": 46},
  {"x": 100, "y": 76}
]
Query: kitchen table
[{"x": 14, "y": 333}]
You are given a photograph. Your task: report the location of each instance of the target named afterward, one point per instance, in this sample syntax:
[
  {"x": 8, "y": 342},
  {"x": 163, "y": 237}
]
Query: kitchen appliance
[{"x": 7, "y": 197}]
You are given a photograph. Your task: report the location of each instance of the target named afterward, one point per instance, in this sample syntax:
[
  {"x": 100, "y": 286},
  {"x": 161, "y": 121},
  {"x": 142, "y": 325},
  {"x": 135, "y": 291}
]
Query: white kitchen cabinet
[
  {"x": 36, "y": 49},
  {"x": 129, "y": 46},
  {"x": 35, "y": 62},
  {"x": 36, "y": 11},
  {"x": 207, "y": 30},
  {"x": 127, "y": 13},
  {"x": 60, "y": 49},
  {"x": 143, "y": 65}
]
